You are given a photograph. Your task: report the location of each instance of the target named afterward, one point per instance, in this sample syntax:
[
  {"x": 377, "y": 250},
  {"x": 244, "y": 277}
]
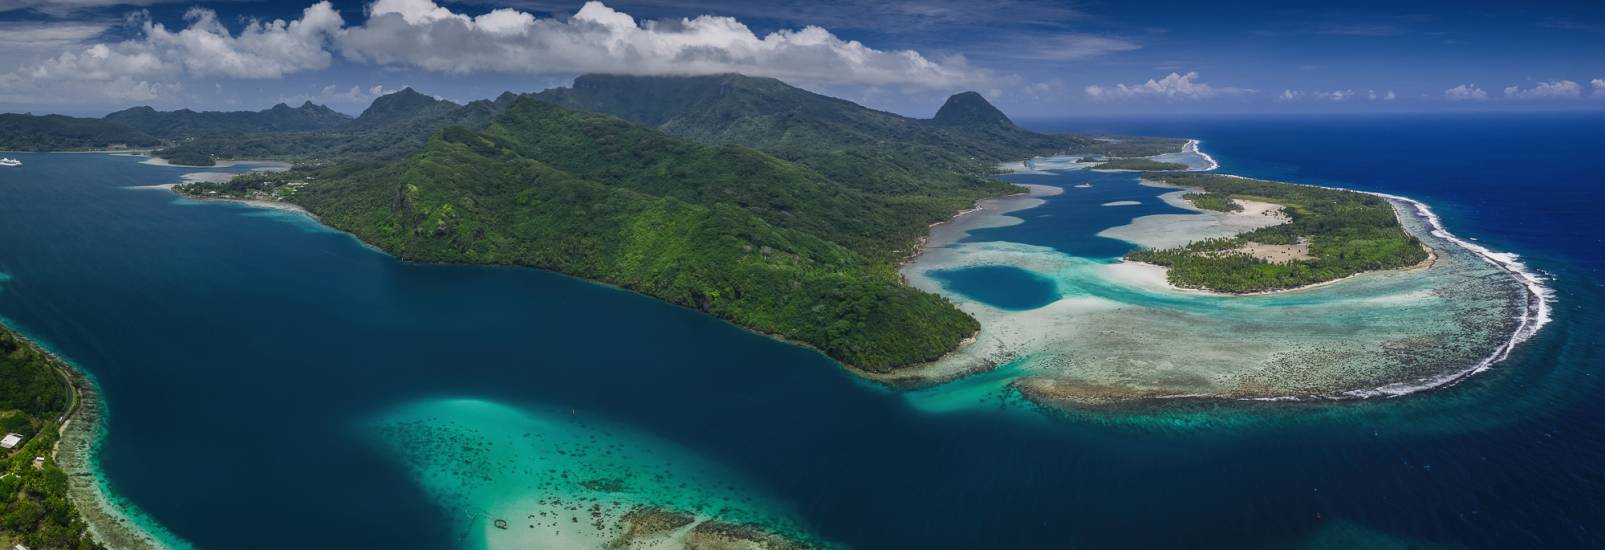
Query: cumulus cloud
[
  {"x": 263, "y": 49},
  {"x": 148, "y": 66},
  {"x": 1290, "y": 95},
  {"x": 1546, "y": 90},
  {"x": 1466, "y": 92},
  {"x": 1172, "y": 86},
  {"x": 1335, "y": 95},
  {"x": 426, "y": 35},
  {"x": 1598, "y": 85}
]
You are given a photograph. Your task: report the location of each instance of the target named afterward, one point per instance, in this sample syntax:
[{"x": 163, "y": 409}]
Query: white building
[{"x": 10, "y": 441}]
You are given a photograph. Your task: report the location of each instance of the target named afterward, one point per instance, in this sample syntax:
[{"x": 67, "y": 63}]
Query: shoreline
[
  {"x": 1535, "y": 314},
  {"x": 266, "y": 165},
  {"x": 1432, "y": 255},
  {"x": 78, "y": 440},
  {"x": 1192, "y": 147}
]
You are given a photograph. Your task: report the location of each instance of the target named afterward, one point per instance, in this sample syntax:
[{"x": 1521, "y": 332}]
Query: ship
[{"x": 10, "y": 162}]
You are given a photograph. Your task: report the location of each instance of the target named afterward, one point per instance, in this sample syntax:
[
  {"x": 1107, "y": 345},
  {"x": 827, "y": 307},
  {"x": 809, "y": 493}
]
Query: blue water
[
  {"x": 1000, "y": 286},
  {"x": 1077, "y": 235},
  {"x": 242, "y": 355}
]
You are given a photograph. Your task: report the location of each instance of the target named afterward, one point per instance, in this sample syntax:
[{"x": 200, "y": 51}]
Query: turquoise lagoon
[
  {"x": 1115, "y": 331},
  {"x": 269, "y": 383}
]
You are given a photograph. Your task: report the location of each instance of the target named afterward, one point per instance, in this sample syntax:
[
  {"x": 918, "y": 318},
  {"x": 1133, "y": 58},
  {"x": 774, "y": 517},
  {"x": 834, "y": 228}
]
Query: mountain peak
[
  {"x": 969, "y": 109},
  {"x": 396, "y": 105}
]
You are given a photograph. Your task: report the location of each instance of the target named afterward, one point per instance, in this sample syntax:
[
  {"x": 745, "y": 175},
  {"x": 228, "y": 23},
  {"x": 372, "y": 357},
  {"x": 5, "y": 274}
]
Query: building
[{"x": 10, "y": 441}]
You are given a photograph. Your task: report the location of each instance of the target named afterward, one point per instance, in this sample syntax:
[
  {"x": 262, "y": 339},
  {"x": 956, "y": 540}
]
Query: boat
[{"x": 10, "y": 162}]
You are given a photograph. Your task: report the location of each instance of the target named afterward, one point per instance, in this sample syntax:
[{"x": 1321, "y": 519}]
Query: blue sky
[{"x": 1034, "y": 59}]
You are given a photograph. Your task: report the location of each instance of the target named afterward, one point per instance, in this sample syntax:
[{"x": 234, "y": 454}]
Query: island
[
  {"x": 681, "y": 188},
  {"x": 1138, "y": 164},
  {"x": 1329, "y": 234}
]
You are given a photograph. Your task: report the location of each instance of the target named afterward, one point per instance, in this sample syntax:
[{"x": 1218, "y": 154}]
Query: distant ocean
[{"x": 246, "y": 357}]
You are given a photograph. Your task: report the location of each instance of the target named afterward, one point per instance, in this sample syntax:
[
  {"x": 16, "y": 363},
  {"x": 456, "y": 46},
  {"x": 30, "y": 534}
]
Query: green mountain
[
  {"x": 970, "y": 110},
  {"x": 872, "y": 150},
  {"x": 725, "y": 229},
  {"x": 184, "y": 123},
  {"x": 776, "y": 208},
  {"x": 399, "y": 106},
  {"x": 393, "y": 127},
  {"x": 20, "y": 132}
]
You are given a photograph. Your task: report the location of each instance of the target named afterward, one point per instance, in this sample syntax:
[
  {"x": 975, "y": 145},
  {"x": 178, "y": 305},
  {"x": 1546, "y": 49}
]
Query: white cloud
[
  {"x": 67, "y": 7},
  {"x": 1465, "y": 92},
  {"x": 149, "y": 66},
  {"x": 1174, "y": 85},
  {"x": 1598, "y": 85},
  {"x": 333, "y": 93},
  {"x": 1546, "y": 90},
  {"x": 1334, "y": 95},
  {"x": 1290, "y": 95},
  {"x": 51, "y": 35},
  {"x": 425, "y": 35},
  {"x": 1390, "y": 96},
  {"x": 263, "y": 49}
]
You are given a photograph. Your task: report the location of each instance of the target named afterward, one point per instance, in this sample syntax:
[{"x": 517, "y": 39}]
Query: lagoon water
[
  {"x": 1000, "y": 286},
  {"x": 270, "y": 383}
]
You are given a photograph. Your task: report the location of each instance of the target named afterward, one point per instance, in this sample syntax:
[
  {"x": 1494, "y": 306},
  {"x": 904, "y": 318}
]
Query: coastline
[
  {"x": 1398, "y": 204},
  {"x": 964, "y": 362},
  {"x": 80, "y": 432},
  {"x": 1192, "y": 147},
  {"x": 265, "y": 165}
]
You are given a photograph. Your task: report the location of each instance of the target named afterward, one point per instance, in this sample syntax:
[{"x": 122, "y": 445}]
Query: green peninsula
[
  {"x": 1138, "y": 164},
  {"x": 780, "y": 210},
  {"x": 35, "y": 397},
  {"x": 1337, "y": 233}
]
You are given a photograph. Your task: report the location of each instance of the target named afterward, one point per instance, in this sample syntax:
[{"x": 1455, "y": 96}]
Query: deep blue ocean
[{"x": 241, "y": 350}]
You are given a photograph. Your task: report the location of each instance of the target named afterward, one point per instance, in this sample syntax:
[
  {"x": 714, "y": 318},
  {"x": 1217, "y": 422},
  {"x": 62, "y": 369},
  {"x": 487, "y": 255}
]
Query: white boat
[{"x": 10, "y": 162}]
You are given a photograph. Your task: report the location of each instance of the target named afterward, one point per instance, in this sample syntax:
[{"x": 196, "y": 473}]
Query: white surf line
[
  {"x": 1192, "y": 147},
  {"x": 1539, "y": 300}
]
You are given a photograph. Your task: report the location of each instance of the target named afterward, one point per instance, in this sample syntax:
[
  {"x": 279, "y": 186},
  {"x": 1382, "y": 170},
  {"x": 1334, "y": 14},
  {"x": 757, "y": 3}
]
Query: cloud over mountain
[{"x": 425, "y": 35}]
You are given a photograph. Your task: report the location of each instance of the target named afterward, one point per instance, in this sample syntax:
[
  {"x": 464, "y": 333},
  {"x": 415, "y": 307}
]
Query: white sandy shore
[
  {"x": 1173, "y": 230},
  {"x": 256, "y": 165},
  {"x": 1121, "y": 331}
]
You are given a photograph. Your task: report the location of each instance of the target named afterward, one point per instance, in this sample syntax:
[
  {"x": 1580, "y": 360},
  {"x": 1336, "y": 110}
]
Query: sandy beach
[
  {"x": 110, "y": 523},
  {"x": 1121, "y": 333},
  {"x": 256, "y": 165}
]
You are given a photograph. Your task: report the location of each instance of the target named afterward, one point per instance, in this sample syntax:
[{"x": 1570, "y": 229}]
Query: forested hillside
[
  {"x": 65, "y": 133},
  {"x": 725, "y": 229},
  {"x": 34, "y": 510}
]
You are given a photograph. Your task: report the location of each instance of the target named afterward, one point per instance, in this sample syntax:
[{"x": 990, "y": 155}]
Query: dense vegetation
[
  {"x": 1348, "y": 232},
  {"x": 65, "y": 133},
  {"x": 34, "y": 509},
  {"x": 395, "y": 126},
  {"x": 870, "y": 150},
  {"x": 1220, "y": 202},
  {"x": 779, "y": 209},
  {"x": 1138, "y": 164},
  {"x": 725, "y": 229},
  {"x": 185, "y": 124}
]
